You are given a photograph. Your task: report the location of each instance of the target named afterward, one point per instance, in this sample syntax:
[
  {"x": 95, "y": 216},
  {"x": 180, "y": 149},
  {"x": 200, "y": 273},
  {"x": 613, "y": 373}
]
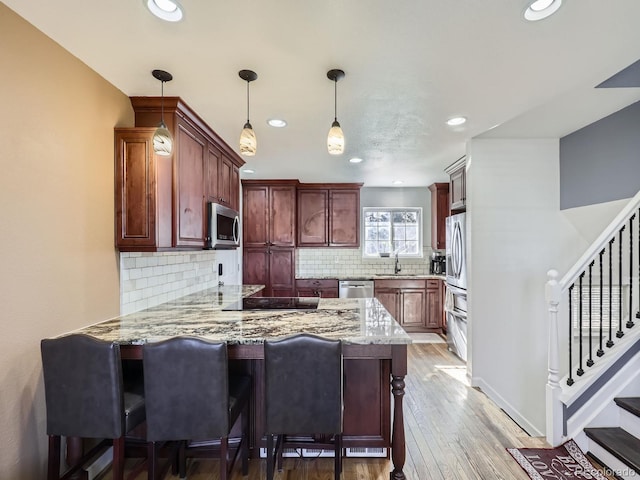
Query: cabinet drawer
[
  {"x": 404, "y": 283},
  {"x": 316, "y": 283},
  {"x": 433, "y": 284}
]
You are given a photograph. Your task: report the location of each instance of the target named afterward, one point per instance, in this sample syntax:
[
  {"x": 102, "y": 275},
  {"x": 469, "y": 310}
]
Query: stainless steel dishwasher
[{"x": 355, "y": 288}]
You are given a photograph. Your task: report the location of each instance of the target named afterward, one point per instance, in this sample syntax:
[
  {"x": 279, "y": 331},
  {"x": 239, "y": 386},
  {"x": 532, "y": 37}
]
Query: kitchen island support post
[{"x": 398, "y": 446}]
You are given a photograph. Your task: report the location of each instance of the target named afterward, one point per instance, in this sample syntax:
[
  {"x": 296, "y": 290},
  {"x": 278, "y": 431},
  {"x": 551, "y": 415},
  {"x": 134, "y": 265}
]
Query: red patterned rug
[{"x": 564, "y": 462}]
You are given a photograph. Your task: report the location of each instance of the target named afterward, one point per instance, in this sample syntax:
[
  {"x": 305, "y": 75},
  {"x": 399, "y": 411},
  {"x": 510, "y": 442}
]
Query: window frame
[{"x": 392, "y": 210}]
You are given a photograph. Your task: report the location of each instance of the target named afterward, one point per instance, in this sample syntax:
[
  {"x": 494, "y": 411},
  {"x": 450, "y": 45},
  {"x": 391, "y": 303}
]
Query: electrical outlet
[{"x": 336, "y": 259}]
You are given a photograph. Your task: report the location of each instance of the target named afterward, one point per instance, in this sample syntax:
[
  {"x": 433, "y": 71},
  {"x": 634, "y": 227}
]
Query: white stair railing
[{"x": 592, "y": 299}]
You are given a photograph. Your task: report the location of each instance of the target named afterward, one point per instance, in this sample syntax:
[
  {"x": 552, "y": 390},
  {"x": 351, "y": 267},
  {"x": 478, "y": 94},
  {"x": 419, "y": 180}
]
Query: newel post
[{"x": 554, "y": 405}]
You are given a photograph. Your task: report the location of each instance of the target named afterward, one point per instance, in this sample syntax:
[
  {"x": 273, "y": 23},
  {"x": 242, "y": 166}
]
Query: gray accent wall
[{"x": 601, "y": 162}]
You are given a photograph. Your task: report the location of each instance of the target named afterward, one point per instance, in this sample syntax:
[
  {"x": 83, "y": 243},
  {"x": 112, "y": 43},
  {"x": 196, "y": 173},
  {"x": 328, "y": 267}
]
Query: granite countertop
[{"x": 353, "y": 320}]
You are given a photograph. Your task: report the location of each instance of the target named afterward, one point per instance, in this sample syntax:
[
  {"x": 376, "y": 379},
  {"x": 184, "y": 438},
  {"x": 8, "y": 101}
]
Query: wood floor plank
[{"x": 453, "y": 432}]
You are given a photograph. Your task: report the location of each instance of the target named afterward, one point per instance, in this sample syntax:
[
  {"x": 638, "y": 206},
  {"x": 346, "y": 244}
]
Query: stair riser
[
  {"x": 615, "y": 466},
  {"x": 630, "y": 422}
]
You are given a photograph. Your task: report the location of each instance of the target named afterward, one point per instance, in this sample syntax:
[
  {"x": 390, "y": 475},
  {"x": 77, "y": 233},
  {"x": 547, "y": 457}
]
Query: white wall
[{"x": 517, "y": 233}]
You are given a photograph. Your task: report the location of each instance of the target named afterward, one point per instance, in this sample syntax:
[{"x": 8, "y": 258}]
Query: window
[{"x": 392, "y": 231}]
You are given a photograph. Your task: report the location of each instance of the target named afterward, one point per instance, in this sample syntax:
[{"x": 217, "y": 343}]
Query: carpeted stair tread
[
  {"x": 619, "y": 443},
  {"x": 631, "y": 404}
]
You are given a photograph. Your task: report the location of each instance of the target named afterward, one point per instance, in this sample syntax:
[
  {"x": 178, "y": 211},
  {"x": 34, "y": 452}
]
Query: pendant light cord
[
  {"x": 248, "y": 101},
  {"x": 335, "y": 100},
  {"x": 162, "y": 102}
]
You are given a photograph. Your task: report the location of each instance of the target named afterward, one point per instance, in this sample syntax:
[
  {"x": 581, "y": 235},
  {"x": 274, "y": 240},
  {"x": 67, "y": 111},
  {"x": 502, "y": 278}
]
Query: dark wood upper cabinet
[
  {"x": 457, "y": 185},
  {"x": 313, "y": 217},
  {"x": 190, "y": 161},
  {"x": 143, "y": 192},
  {"x": 161, "y": 201},
  {"x": 439, "y": 214},
  {"x": 269, "y": 213},
  {"x": 329, "y": 215},
  {"x": 344, "y": 217}
]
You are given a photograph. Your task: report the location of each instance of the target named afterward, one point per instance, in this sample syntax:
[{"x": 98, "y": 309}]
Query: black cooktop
[{"x": 274, "y": 303}]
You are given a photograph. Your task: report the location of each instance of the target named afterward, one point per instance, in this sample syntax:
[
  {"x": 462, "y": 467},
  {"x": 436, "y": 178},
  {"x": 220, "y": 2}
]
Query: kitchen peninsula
[{"x": 375, "y": 352}]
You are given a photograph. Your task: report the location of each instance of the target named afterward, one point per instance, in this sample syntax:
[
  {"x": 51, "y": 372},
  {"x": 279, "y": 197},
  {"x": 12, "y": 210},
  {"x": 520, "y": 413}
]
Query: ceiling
[{"x": 410, "y": 65}]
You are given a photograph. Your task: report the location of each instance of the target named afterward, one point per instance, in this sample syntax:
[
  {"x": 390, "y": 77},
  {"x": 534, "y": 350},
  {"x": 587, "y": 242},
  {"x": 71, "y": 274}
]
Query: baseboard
[{"x": 507, "y": 407}]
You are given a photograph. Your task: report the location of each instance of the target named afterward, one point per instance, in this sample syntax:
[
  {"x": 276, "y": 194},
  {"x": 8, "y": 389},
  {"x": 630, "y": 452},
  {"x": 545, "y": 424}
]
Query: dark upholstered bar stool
[
  {"x": 303, "y": 396},
  {"x": 85, "y": 397},
  {"x": 191, "y": 399}
]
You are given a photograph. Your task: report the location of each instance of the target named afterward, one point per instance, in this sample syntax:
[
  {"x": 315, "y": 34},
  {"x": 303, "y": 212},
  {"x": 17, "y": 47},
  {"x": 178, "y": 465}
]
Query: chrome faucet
[{"x": 396, "y": 267}]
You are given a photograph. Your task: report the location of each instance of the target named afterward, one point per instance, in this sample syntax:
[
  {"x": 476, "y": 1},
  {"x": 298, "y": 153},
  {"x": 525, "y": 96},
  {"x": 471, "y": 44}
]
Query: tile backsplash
[
  {"x": 149, "y": 279},
  {"x": 348, "y": 263}
]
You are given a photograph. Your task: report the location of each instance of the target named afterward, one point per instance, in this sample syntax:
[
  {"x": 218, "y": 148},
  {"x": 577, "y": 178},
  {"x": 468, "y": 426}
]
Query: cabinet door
[
  {"x": 282, "y": 271},
  {"x": 282, "y": 216},
  {"x": 142, "y": 192},
  {"x": 434, "y": 314},
  {"x": 234, "y": 201},
  {"x": 457, "y": 189},
  {"x": 225, "y": 173},
  {"x": 344, "y": 218},
  {"x": 255, "y": 216},
  {"x": 211, "y": 174},
  {"x": 439, "y": 213},
  {"x": 413, "y": 307},
  {"x": 189, "y": 170},
  {"x": 255, "y": 267},
  {"x": 313, "y": 206},
  {"x": 390, "y": 299},
  {"x": 433, "y": 317}
]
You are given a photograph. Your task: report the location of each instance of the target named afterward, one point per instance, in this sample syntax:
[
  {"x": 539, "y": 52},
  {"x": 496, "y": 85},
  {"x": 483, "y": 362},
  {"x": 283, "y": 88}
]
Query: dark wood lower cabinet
[
  {"x": 310, "y": 287},
  {"x": 272, "y": 267},
  {"x": 415, "y": 304}
]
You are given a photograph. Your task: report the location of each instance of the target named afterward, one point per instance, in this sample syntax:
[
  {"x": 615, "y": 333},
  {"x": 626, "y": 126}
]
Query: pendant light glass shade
[
  {"x": 162, "y": 139},
  {"x": 335, "y": 139},
  {"x": 248, "y": 140}
]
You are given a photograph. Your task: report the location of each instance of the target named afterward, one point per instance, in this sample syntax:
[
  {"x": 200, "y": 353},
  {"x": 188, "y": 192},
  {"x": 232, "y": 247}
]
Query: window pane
[
  {"x": 398, "y": 233},
  {"x": 411, "y": 248},
  {"x": 411, "y": 233},
  {"x": 371, "y": 233}
]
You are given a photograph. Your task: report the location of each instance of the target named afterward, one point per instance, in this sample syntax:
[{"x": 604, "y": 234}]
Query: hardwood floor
[{"x": 453, "y": 431}]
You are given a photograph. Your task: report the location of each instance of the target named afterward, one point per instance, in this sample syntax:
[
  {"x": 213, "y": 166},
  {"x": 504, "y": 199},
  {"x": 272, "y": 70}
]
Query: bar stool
[
  {"x": 191, "y": 399},
  {"x": 85, "y": 397},
  {"x": 303, "y": 396}
]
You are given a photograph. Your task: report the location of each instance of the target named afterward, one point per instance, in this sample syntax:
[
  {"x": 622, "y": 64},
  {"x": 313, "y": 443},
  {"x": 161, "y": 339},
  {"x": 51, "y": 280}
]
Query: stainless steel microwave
[{"x": 223, "y": 230}]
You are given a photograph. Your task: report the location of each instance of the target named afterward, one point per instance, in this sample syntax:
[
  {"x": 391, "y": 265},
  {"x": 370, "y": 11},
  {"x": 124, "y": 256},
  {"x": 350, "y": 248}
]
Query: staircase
[
  {"x": 616, "y": 447},
  {"x": 593, "y": 388}
]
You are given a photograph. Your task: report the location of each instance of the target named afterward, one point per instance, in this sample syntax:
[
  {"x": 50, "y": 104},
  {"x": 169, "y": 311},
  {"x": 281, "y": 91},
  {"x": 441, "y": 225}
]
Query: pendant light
[
  {"x": 248, "y": 141},
  {"x": 162, "y": 140},
  {"x": 335, "y": 139}
]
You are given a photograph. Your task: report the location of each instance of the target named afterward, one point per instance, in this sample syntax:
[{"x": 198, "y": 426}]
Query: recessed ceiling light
[
  {"x": 168, "y": 10},
  {"x": 539, "y": 9},
  {"x": 277, "y": 122},
  {"x": 248, "y": 170},
  {"x": 398, "y": 182},
  {"x": 355, "y": 160},
  {"x": 455, "y": 121}
]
